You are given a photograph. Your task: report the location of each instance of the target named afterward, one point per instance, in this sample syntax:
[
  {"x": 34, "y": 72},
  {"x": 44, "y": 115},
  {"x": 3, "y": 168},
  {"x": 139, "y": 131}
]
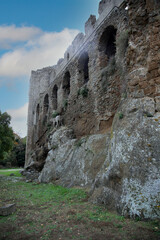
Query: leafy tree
[
  {"x": 16, "y": 157},
  {"x": 6, "y": 135}
]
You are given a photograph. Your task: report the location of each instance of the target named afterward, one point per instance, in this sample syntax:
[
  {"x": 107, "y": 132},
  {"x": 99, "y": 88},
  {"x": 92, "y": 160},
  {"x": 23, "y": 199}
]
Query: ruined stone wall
[
  {"x": 106, "y": 93},
  {"x": 85, "y": 114}
]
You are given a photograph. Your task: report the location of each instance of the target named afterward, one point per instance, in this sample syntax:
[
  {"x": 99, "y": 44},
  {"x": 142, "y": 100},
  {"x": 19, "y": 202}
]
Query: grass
[
  {"x": 7, "y": 172},
  {"x": 47, "y": 211}
]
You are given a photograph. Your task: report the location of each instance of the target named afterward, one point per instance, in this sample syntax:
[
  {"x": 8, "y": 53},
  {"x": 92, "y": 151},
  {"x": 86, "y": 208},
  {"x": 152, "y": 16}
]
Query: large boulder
[
  {"x": 129, "y": 181},
  {"x": 74, "y": 162}
]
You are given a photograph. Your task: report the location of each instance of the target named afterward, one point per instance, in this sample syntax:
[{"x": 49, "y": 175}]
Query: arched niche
[
  {"x": 66, "y": 85},
  {"x": 46, "y": 104},
  {"x": 37, "y": 112},
  {"x": 83, "y": 67},
  {"x": 107, "y": 43},
  {"x": 54, "y": 97}
]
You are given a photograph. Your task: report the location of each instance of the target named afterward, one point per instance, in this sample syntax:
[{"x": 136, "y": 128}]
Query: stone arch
[
  {"x": 54, "y": 97},
  {"x": 107, "y": 43},
  {"x": 66, "y": 85},
  {"x": 68, "y": 56},
  {"x": 83, "y": 66},
  {"x": 46, "y": 104}
]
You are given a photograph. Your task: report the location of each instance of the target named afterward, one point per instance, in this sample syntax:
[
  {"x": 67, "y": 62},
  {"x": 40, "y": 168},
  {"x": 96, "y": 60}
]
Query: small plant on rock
[
  {"x": 121, "y": 115},
  {"x": 78, "y": 143},
  {"x": 83, "y": 92},
  {"x": 65, "y": 103},
  {"x": 55, "y": 114}
]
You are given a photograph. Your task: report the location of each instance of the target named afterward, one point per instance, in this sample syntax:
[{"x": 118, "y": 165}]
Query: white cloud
[
  {"x": 40, "y": 49},
  {"x": 12, "y": 34},
  {"x": 19, "y": 120},
  {"x": 29, "y": 48}
]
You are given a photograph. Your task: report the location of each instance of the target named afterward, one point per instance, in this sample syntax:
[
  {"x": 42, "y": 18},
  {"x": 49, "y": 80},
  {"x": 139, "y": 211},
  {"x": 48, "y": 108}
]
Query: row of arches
[{"x": 107, "y": 46}]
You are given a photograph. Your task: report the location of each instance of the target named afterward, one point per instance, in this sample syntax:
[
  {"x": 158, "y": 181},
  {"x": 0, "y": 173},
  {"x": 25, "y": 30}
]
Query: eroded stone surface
[
  {"x": 74, "y": 162},
  {"x": 130, "y": 178}
]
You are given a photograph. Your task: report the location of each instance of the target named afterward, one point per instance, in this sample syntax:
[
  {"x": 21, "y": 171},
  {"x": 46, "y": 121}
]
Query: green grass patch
[
  {"x": 8, "y": 172},
  {"x": 48, "y": 211}
]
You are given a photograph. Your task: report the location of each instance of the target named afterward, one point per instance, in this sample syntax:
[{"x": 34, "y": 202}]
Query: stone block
[
  {"x": 149, "y": 90},
  {"x": 154, "y": 73},
  {"x": 152, "y": 82},
  {"x": 134, "y": 82},
  {"x": 152, "y": 66},
  {"x": 7, "y": 209},
  {"x": 143, "y": 84},
  {"x": 157, "y": 80}
]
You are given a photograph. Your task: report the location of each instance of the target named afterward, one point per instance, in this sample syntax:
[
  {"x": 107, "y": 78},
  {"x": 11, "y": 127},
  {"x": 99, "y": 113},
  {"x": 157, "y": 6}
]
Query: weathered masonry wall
[
  {"x": 94, "y": 118},
  {"x": 83, "y": 63}
]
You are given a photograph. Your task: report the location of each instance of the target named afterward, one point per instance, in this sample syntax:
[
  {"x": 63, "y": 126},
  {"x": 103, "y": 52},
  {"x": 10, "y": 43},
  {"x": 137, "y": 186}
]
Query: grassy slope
[{"x": 45, "y": 211}]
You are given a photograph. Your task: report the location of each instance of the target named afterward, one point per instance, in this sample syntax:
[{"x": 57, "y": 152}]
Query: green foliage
[
  {"x": 65, "y": 103},
  {"x": 5, "y": 172},
  {"x": 55, "y": 114},
  {"x": 16, "y": 157},
  {"x": 121, "y": 115},
  {"x": 83, "y": 92},
  {"x": 124, "y": 95},
  {"x": 78, "y": 143},
  {"x": 43, "y": 193},
  {"x": 122, "y": 43},
  {"x": 6, "y": 136},
  {"x": 148, "y": 114},
  {"x": 55, "y": 146}
]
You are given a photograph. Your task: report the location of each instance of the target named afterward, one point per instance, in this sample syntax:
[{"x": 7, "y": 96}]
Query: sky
[{"x": 34, "y": 34}]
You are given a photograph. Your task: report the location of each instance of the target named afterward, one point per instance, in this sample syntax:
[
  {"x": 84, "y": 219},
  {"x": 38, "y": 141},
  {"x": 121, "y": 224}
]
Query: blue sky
[{"x": 34, "y": 34}]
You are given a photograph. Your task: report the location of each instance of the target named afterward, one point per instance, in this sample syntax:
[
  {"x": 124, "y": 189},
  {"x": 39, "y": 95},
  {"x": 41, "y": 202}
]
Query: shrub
[
  {"x": 83, "y": 92},
  {"x": 148, "y": 114},
  {"x": 79, "y": 142},
  {"x": 55, "y": 114},
  {"x": 65, "y": 103},
  {"x": 121, "y": 115}
]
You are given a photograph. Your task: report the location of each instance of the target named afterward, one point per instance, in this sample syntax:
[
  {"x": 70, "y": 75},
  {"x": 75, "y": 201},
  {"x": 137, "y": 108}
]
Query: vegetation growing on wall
[
  {"x": 55, "y": 114},
  {"x": 83, "y": 92}
]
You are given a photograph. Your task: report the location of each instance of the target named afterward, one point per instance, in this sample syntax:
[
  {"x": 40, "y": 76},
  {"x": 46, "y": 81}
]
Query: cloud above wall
[
  {"x": 23, "y": 49},
  {"x": 30, "y": 48},
  {"x": 18, "y": 119},
  {"x": 10, "y": 35}
]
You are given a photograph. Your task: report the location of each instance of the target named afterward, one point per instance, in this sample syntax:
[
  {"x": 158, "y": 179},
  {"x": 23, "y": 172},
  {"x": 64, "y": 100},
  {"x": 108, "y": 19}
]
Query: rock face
[
  {"x": 131, "y": 180},
  {"x": 94, "y": 119},
  {"x": 74, "y": 162}
]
